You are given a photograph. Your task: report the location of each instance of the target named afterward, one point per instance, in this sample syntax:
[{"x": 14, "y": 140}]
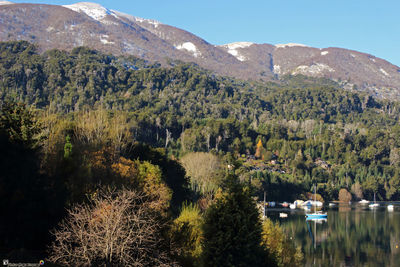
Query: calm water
[{"x": 353, "y": 235}]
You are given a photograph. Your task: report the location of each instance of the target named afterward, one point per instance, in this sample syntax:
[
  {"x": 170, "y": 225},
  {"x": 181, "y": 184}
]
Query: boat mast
[
  {"x": 315, "y": 199},
  {"x": 264, "y": 205}
]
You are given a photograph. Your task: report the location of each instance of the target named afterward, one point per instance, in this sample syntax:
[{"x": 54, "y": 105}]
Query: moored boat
[
  {"x": 374, "y": 205},
  {"x": 316, "y": 214}
]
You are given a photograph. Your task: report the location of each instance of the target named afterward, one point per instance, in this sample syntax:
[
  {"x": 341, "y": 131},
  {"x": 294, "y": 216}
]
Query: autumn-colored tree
[
  {"x": 344, "y": 195},
  {"x": 204, "y": 171},
  {"x": 99, "y": 127},
  {"x": 187, "y": 234},
  {"x": 145, "y": 177},
  {"x": 259, "y": 149},
  {"x": 279, "y": 247}
]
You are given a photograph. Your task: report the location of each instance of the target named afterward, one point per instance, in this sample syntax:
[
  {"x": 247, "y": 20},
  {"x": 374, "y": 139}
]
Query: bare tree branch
[{"x": 113, "y": 229}]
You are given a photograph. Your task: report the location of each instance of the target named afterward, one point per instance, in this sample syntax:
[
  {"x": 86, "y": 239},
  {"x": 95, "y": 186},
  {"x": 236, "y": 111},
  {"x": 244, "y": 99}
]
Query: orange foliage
[
  {"x": 147, "y": 178},
  {"x": 259, "y": 149}
]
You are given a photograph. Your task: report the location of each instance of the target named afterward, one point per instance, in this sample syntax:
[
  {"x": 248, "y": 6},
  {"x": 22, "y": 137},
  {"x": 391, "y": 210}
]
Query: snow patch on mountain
[
  {"x": 277, "y": 69},
  {"x": 6, "y": 3},
  {"x": 136, "y": 19},
  {"x": 104, "y": 39},
  {"x": 324, "y": 53},
  {"x": 93, "y": 10},
  {"x": 313, "y": 70},
  {"x": 384, "y": 72},
  {"x": 236, "y": 54},
  {"x": 236, "y": 45},
  {"x": 232, "y": 49},
  {"x": 190, "y": 47},
  {"x": 290, "y": 45},
  {"x": 150, "y": 21}
]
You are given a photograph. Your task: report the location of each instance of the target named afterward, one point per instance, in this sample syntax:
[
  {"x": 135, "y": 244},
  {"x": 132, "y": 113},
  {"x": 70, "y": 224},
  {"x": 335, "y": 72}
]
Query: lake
[{"x": 353, "y": 235}]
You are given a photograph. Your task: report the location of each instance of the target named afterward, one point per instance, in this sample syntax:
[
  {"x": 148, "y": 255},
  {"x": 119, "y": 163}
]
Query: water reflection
[{"x": 353, "y": 235}]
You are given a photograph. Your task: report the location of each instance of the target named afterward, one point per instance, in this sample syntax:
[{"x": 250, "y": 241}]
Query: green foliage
[
  {"x": 232, "y": 230},
  {"x": 20, "y": 124},
  {"x": 186, "y": 232},
  {"x": 32, "y": 202},
  {"x": 119, "y": 121},
  {"x": 67, "y": 147}
]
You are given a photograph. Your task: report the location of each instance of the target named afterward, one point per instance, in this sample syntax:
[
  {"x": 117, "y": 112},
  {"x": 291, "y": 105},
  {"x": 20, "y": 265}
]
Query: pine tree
[{"x": 232, "y": 230}]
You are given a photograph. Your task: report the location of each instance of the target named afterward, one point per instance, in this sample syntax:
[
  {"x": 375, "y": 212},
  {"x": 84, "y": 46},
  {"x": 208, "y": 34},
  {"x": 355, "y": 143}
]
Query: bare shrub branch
[{"x": 113, "y": 229}]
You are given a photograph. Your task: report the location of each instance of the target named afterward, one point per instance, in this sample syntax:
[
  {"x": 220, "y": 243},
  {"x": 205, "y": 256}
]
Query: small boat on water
[
  {"x": 316, "y": 214},
  {"x": 363, "y": 201},
  {"x": 374, "y": 205},
  {"x": 283, "y": 215},
  {"x": 285, "y": 204},
  {"x": 312, "y": 203},
  {"x": 390, "y": 207},
  {"x": 292, "y": 206},
  {"x": 332, "y": 205}
]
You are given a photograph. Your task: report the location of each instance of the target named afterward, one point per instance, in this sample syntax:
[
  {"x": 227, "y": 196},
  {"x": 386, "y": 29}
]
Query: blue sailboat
[{"x": 316, "y": 214}]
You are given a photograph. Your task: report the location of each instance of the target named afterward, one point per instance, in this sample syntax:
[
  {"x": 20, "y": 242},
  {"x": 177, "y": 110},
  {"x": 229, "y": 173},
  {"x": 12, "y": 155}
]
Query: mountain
[{"x": 110, "y": 31}]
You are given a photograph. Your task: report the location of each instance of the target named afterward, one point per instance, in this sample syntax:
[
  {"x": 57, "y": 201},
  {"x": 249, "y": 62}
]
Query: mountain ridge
[{"x": 110, "y": 31}]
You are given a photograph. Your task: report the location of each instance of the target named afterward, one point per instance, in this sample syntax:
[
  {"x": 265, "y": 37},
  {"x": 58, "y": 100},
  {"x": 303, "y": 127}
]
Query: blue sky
[{"x": 369, "y": 26}]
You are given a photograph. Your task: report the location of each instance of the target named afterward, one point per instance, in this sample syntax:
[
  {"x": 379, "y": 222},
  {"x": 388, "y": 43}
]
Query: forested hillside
[
  {"x": 85, "y": 118},
  {"x": 184, "y": 108}
]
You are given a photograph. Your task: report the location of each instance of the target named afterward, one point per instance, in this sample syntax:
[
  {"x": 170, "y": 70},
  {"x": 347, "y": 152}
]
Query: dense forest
[{"x": 191, "y": 142}]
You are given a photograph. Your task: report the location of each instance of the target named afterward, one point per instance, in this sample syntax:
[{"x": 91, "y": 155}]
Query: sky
[{"x": 369, "y": 26}]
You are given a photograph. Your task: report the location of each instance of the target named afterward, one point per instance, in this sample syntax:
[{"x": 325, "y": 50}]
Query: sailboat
[
  {"x": 374, "y": 205},
  {"x": 316, "y": 214}
]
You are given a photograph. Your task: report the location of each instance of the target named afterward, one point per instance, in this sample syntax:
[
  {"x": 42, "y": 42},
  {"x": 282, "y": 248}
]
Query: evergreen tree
[{"x": 232, "y": 230}]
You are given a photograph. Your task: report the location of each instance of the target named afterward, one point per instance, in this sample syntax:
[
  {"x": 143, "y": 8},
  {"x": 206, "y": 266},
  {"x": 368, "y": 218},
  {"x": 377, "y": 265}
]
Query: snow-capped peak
[
  {"x": 136, "y": 19},
  {"x": 236, "y": 45},
  {"x": 289, "y": 45},
  {"x": 6, "y": 3},
  {"x": 93, "y": 10}
]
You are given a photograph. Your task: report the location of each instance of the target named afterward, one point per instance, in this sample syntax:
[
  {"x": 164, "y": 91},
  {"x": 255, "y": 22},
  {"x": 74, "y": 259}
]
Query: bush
[
  {"x": 113, "y": 229},
  {"x": 344, "y": 195}
]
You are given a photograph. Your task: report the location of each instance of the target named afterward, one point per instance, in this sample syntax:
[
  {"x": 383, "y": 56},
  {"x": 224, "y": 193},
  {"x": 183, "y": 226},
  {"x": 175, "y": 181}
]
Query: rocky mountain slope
[{"x": 110, "y": 31}]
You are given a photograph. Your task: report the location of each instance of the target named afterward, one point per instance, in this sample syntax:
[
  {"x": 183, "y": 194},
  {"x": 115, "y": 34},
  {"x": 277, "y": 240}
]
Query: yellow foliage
[
  {"x": 147, "y": 178},
  {"x": 259, "y": 149},
  {"x": 187, "y": 233},
  {"x": 126, "y": 169},
  {"x": 259, "y": 144},
  {"x": 275, "y": 241},
  {"x": 204, "y": 171}
]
